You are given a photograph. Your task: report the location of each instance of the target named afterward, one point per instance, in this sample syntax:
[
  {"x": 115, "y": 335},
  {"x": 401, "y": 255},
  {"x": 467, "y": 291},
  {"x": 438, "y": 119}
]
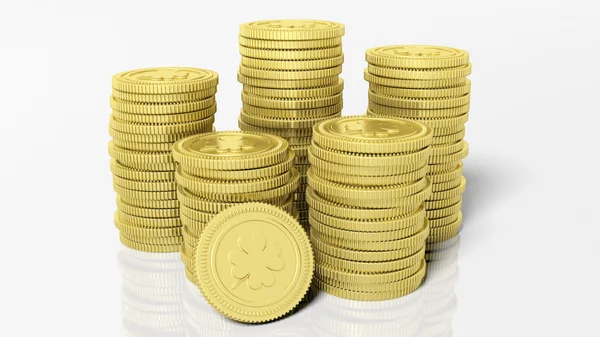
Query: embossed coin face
[
  {"x": 417, "y": 56},
  {"x": 372, "y": 128},
  {"x": 412, "y": 51},
  {"x": 232, "y": 144},
  {"x": 254, "y": 262},
  {"x": 167, "y": 75},
  {"x": 292, "y": 30}
]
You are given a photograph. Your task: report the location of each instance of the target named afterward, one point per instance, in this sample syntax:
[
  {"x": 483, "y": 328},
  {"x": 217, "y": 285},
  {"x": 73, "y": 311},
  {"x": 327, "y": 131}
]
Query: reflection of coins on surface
[
  {"x": 372, "y": 135},
  {"x": 417, "y": 56},
  {"x": 254, "y": 262},
  {"x": 292, "y": 30},
  {"x": 230, "y": 150}
]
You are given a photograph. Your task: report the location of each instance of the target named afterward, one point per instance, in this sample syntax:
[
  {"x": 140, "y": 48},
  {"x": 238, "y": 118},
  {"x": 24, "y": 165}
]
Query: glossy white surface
[{"x": 528, "y": 252}]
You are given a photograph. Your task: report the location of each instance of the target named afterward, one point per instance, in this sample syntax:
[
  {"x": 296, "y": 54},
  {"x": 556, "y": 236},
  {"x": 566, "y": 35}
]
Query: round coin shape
[
  {"x": 417, "y": 56},
  {"x": 292, "y": 30},
  {"x": 164, "y": 80},
  {"x": 254, "y": 262}
]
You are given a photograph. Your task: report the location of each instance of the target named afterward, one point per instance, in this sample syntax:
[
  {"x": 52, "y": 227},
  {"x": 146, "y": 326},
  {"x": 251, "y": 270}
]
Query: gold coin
[
  {"x": 442, "y": 203},
  {"x": 417, "y": 56},
  {"x": 328, "y": 188},
  {"x": 420, "y": 74},
  {"x": 293, "y": 113},
  {"x": 449, "y": 139},
  {"x": 450, "y": 124},
  {"x": 149, "y": 203},
  {"x": 415, "y": 240},
  {"x": 370, "y": 160},
  {"x": 144, "y": 195},
  {"x": 339, "y": 210},
  {"x": 359, "y": 281},
  {"x": 152, "y": 139},
  {"x": 379, "y": 109},
  {"x": 145, "y": 211},
  {"x": 362, "y": 256},
  {"x": 251, "y": 174},
  {"x": 370, "y": 180},
  {"x": 422, "y": 93},
  {"x": 368, "y": 267},
  {"x": 275, "y": 123},
  {"x": 131, "y": 230},
  {"x": 292, "y": 30},
  {"x": 160, "y": 109},
  {"x": 367, "y": 296},
  {"x": 166, "y": 80},
  {"x": 291, "y": 55},
  {"x": 147, "y": 222},
  {"x": 371, "y": 225},
  {"x": 209, "y": 187},
  {"x": 291, "y": 104},
  {"x": 447, "y": 194},
  {"x": 153, "y": 129},
  {"x": 143, "y": 147},
  {"x": 362, "y": 236},
  {"x": 443, "y": 168},
  {"x": 293, "y": 65},
  {"x": 451, "y": 228},
  {"x": 372, "y": 135},
  {"x": 194, "y": 225},
  {"x": 451, "y": 157},
  {"x": 415, "y": 84},
  {"x": 230, "y": 150},
  {"x": 150, "y": 186},
  {"x": 150, "y": 248},
  {"x": 285, "y": 45},
  {"x": 447, "y": 149},
  {"x": 297, "y": 84},
  {"x": 180, "y": 118},
  {"x": 254, "y": 263},
  {"x": 185, "y": 97},
  {"x": 275, "y": 131},
  {"x": 443, "y": 212},
  {"x": 299, "y": 141},
  {"x": 359, "y": 171},
  {"x": 287, "y": 75},
  {"x": 441, "y": 187},
  {"x": 195, "y": 215},
  {"x": 124, "y": 172},
  {"x": 419, "y": 103},
  {"x": 441, "y": 222},
  {"x": 296, "y": 93}
]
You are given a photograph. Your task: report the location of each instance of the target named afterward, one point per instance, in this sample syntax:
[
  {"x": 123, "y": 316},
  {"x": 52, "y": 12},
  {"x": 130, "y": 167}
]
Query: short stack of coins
[
  {"x": 290, "y": 74},
  {"x": 221, "y": 169},
  {"x": 428, "y": 84},
  {"x": 367, "y": 191},
  {"x": 151, "y": 109}
]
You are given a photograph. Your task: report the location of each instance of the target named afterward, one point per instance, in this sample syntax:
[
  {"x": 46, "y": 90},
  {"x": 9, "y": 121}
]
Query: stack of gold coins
[
  {"x": 290, "y": 74},
  {"x": 367, "y": 188},
  {"x": 222, "y": 169},
  {"x": 153, "y": 108},
  {"x": 428, "y": 84}
]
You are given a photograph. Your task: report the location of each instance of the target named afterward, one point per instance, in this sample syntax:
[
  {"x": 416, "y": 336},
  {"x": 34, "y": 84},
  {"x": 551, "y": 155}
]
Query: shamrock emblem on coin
[
  {"x": 255, "y": 261},
  {"x": 370, "y": 129},
  {"x": 232, "y": 144},
  {"x": 415, "y": 51},
  {"x": 164, "y": 75},
  {"x": 292, "y": 24}
]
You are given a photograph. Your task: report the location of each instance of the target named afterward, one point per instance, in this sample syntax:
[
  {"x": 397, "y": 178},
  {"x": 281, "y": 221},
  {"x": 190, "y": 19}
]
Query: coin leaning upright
[{"x": 254, "y": 262}]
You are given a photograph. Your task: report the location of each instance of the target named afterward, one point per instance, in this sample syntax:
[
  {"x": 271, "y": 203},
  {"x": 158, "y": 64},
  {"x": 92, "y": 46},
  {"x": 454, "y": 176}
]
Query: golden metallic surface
[
  {"x": 370, "y": 160},
  {"x": 150, "y": 186},
  {"x": 150, "y": 248},
  {"x": 419, "y": 103},
  {"x": 296, "y": 93},
  {"x": 151, "y": 139},
  {"x": 160, "y": 129},
  {"x": 368, "y": 267},
  {"x": 447, "y": 194},
  {"x": 442, "y": 203},
  {"x": 179, "y": 118},
  {"x": 371, "y": 225},
  {"x": 155, "y": 109},
  {"x": 447, "y": 149},
  {"x": 145, "y": 195},
  {"x": 291, "y": 104},
  {"x": 361, "y": 235},
  {"x": 149, "y": 203},
  {"x": 291, "y": 55},
  {"x": 294, "y": 113},
  {"x": 293, "y": 65},
  {"x": 230, "y": 150},
  {"x": 289, "y": 44},
  {"x": 124, "y": 172},
  {"x": 447, "y": 185},
  {"x": 144, "y": 147},
  {"x": 451, "y": 157},
  {"x": 420, "y": 74},
  {"x": 443, "y": 212},
  {"x": 287, "y": 75},
  {"x": 367, "y": 296},
  {"x": 449, "y": 139},
  {"x": 341, "y": 178},
  {"x": 378, "y": 109},
  {"x": 283, "y": 123},
  {"x": 254, "y": 263},
  {"x": 415, "y": 84},
  {"x": 422, "y": 93},
  {"x": 417, "y": 57},
  {"x": 297, "y": 84},
  {"x": 441, "y": 222},
  {"x": 147, "y": 222},
  {"x": 372, "y": 135},
  {"x": 359, "y": 171},
  {"x": 185, "y": 97},
  {"x": 165, "y": 80},
  {"x": 367, "y": 282},
  {"x": 146, "y": 212},
  {"x": 292, "y": 30},
  {"x": 129, "y": 158}
]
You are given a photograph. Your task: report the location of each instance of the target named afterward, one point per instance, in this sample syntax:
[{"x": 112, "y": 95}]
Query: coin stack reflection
[
  {"x": 222, "y": 169},
  {"x": 367, "y": 187},
  {"x": 290, "y": 74},
  {"x": 428, "y": 84},
  {"x": 152, "y": 294},
  {"x": 151, "y": 109}
]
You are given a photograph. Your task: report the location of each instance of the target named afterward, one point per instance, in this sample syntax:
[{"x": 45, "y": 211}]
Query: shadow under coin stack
[
  {"x": 153, "y": 108},
  {"x": 428, "y": 84},
  {"x": 290, "y": 74},
  {"x": 367, "y": 188},
  {"x": 222, "y": 169}
]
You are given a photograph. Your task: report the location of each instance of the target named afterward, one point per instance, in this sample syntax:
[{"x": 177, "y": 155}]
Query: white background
[{"x": 529, "y": 250}]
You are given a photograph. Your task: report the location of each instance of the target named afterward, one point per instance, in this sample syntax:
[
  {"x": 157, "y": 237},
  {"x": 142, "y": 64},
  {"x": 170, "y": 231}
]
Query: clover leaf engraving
[
  {"x": 255, "y": 261},
  {"x": 232, "y": 144}
]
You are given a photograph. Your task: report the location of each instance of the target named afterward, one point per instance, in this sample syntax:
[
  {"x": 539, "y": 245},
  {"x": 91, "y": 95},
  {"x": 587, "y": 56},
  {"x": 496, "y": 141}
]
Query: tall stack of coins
[
  {"x": 152, "y": 108},
  {"x": 221, "y": 169},
  {"x": 428, "y": 84},
  {"x": 290, "y": 74},
  {"x": 367, "y": 188}
]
